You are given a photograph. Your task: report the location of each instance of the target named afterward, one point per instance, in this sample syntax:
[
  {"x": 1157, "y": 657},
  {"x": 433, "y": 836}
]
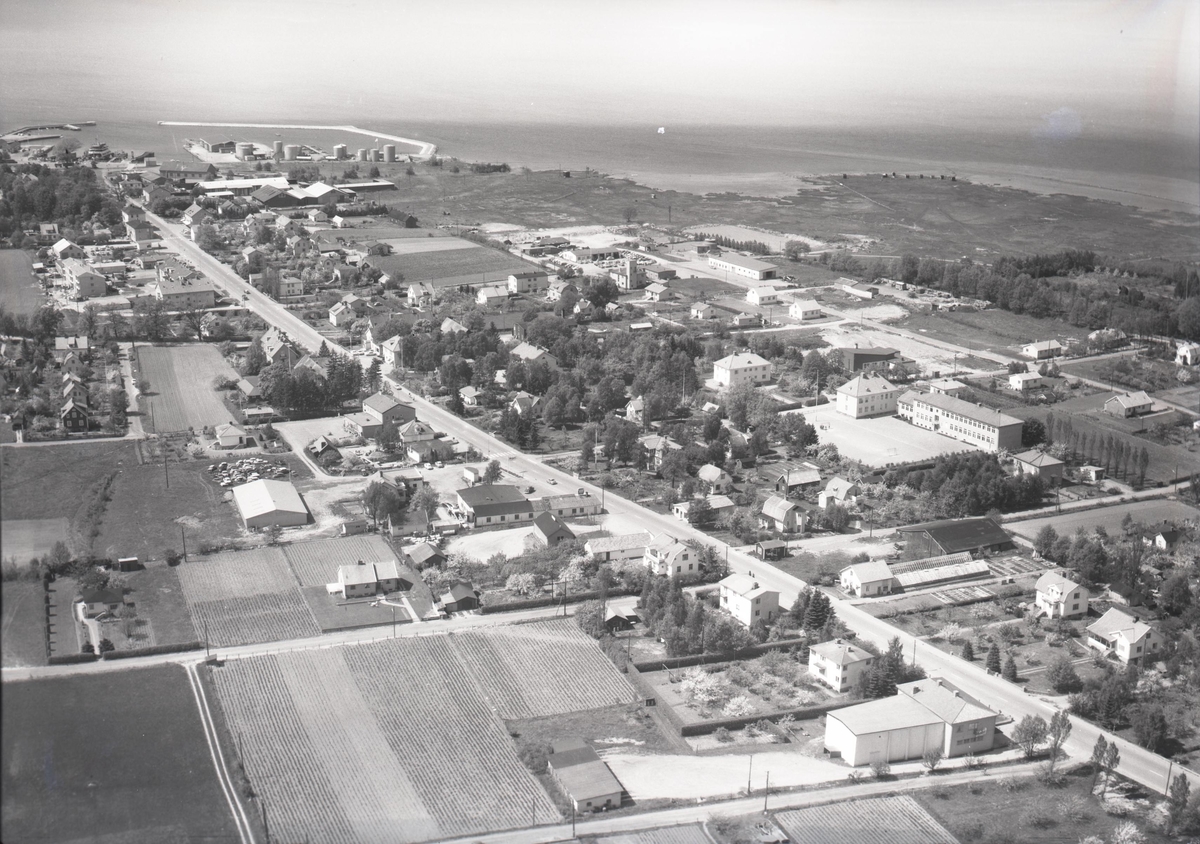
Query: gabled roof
[
  {"x": 458, "y": 592},
  {"x": 742, "y": 584},
  {"x": 884, "y": 715},
  {"x": 381, "y": 403},
  {"x": 424, "y": 552},
  {"x": 493, "y": 494},
  {"x": 1033, "y": 457},
  {"x": 628, "y": 541},
  {"x": 1138, "y": 399},
  {"x": 741, "y": 361},
  {"x": 1044, "y": 345},
  {"x": 840, "y": 487},
  {"x": 962, "y": 534},
  {"x": 1053, "y": 579},
  {"x": 711, "y": 474},
  {"x": 871, "y": 571},
  {"x": 945, "y": 700},
  {"x": 799, "y": 477},
  {"x": 526, "y": 351},
  {"x": 951, "y": 404},
  {"x": 266, "y": 496},
  {"x": 549, "y": 524},
  {"x": 71, "y": 406}
]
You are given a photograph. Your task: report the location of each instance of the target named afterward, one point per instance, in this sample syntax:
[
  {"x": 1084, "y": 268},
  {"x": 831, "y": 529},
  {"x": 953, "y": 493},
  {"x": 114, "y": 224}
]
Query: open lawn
[
  {"x": 1003, "y": 809},
  {"x": 158, "y": 598},
  {"x": 454, "y": 263},
  {"x": 882, "y": 441},
  {"x": 994, "y": 330},
  {"x": 245, "y": 597},
  {"x": 419, "y": 245},
  {"x": 23, "y": 539},
  {"x": 353, "y": 744},
  {"x": 1110, "y": 518},
  {"x": 181, "y": 394},
  {"x": 22, "y": 623},
  {"x": 151, "y": 510},
  {"x": 118, "y": 757},
  {"x": 19, "y": 292},
  {"x": 62, "y": 481}
]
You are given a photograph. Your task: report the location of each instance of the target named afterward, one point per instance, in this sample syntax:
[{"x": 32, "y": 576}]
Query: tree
[
  {"x": 1009, "y": 671},
  {"x": 1097, "y": 759},
  {"x": 1057, "y": 733},
  {"x": 426, "y": 501},
  {"x": 193, "y": 319},
  {"x": 700, "y": 513},
  {"x": 1177, "y": 800},
  {"x": 836, "y": 518},
  {"x": 1030, "y": 733},
  {"x": 1110, "y": 763},
  {"x": 106, "y": 646},
  {"x": 1175, "y": 596},
  {"x": 1043, "y": 543},
  {"x": 492, "y": 472},
  {"x": 968, "y": 651},
  {"x": 932, "y": 758},
  {"x": 381, "y": 501},
  {"x": 256, "y": 359},
  {"x": 1127, "y": 832},
  {"x": 993, "y": 659},
  {"x": 1062, "y": 676},
  {"x": 1149, "y": 725},
  {"x": 796, "y": 249}
]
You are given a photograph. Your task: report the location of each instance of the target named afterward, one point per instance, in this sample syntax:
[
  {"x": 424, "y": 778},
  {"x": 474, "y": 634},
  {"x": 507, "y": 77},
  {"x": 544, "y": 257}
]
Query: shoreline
[{"x": 426, "y": 149}]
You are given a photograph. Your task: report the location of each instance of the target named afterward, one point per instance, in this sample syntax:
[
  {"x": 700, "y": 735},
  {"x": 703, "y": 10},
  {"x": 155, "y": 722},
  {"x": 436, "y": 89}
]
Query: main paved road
[{"x": 1149, "y": 769}]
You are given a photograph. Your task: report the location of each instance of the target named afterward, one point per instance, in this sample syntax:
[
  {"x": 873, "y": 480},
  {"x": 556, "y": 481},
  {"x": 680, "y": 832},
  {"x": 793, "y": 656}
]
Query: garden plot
[
  {"x": 316, "y": 563},
  {"x": 519, "y": 669},
  {"x": 245, "y": 597},
  {"x": 663, "y": 835},
  {"x": 181, "y": 386},
  {"x": 383, "y": 741},
  {"x": 882, "y": 820}
]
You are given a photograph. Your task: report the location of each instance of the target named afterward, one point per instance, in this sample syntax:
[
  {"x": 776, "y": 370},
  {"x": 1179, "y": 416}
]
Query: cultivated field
[
  {"x": 882, "y": 820},
  {"x": 19, "y": 293},
  {"x": 383, "y": 741},
  {"x": 181, "y": 386},
  {"x": 23, "y": 539},
  {"x": 316, "y": 563},
  {"x": 22, "y": 623},
  {"x": 519, "y": 669},
  {"x": 113, "y": 757},
  {"x": 416, "y": 246},
  {"x": 245, "y": 597},
  {"x": 664, "y": 835}
]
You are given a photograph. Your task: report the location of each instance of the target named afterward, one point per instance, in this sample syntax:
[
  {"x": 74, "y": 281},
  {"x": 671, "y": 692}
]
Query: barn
[{"x": 266, "y": 503}]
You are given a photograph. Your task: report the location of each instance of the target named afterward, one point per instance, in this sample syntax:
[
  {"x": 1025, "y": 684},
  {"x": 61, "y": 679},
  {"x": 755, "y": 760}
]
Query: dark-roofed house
[
  {"x": 269, "y": 196},
  {"x": 550, "y": 530},
  {"x": 924, "y": 715},
  {"x": 460, "y": 597},
  {"x": 73, "y": 417},
  {"x": 868, "y": 358},
  {"x": 978, "y": 535},
  {"x": 1034, "y": 462},
  {"x": 1163, "y": 538},
  {"x": 494, "y": 504},
  {"x": 97, "y": 602},
  {"x": 584, "y": 776},
  {"x": 426, "y": 555},
  {"x": 788, "y": 481}
]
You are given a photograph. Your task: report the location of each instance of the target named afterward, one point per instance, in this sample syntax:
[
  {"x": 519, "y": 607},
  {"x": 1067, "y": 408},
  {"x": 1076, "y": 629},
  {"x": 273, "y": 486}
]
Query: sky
[{"x": 1132, "y": 65}]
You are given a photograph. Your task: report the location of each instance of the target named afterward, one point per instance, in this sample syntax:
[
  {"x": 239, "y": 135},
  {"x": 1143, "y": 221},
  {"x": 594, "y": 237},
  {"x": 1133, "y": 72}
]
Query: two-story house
[
  {"x": 1060, "y": 597},
  {"x": 839, "y": 664},
  {"x": 747, "y": 601}
]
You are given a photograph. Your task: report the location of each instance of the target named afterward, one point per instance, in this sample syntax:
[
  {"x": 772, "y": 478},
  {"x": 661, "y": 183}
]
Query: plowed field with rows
[
  {"x": 181, "y": 386},
  {"x": 245, "y": 597},
  {"x": 520, "y": 669},
  {"x": 316, "y": 563},
  {"x": 384, "y": 741},
  {"x": 883, "y": 820}
]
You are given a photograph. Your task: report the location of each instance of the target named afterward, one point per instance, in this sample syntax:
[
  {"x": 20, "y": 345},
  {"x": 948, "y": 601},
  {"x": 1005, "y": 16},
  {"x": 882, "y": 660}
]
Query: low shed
[{"x": 584, "y": 776}]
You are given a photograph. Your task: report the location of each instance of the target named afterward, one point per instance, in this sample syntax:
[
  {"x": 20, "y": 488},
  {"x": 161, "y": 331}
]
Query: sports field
[
  {"x": 181, "y": 386},
  {"x": 878, "y": 441},
  {"x": 112, "y": 757},
  {"x": 401, "y": 740},
  {"x": 245, "y": 597}
]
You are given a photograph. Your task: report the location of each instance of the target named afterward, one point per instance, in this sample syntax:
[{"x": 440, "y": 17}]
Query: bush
[
  {"x": 1037, "y": 818},
  {"x": 723, "y": 735},
  {"x": 881, "y": 769}
]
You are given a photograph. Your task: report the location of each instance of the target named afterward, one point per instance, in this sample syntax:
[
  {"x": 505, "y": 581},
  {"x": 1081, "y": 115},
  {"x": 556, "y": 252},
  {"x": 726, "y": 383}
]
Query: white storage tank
[
  {"x": 389, "y": 152},
  {"x": 244, "y": 151},
  {"x": 362, "y": 155},
  {"x": 291, "y": 152},
  {"x": 339, "y": 152},
  {"x": 278, "y": 149}
]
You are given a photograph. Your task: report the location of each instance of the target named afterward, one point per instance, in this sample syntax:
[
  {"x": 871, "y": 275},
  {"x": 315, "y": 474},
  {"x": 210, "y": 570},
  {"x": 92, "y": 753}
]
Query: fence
[
  {"x": 154, "y": 649},
  {"x": 550, "y": 601},
  {"x": 712, "y": 659}
]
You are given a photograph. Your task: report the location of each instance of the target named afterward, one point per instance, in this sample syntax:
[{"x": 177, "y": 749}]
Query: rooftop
[
  {"x": 951, "y": 404},
  {"x": 266, "y": 496},
  {"x": 866, "y": 385},
  {"x": 618, "y": 543},
  {"x": 741, "y": 361},
  {"x": 843, "y": 653},
  {"x": 871, "y": 571},
  {"x": 961, "y": 534},
  {"x": 745, "y": 262}
]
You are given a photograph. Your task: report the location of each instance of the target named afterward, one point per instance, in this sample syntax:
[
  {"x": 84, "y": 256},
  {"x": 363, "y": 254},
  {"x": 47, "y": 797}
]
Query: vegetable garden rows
[
  {"x": 401, "y": 739},
  {"x": 316, "y": 563},
  {"x": 882, "y": 820}
]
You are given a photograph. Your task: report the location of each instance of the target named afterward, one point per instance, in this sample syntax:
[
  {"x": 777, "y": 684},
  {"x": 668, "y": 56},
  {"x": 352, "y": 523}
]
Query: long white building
[
  {"x": 982, "y": 427},
  {"x": 740, "y": 265}
]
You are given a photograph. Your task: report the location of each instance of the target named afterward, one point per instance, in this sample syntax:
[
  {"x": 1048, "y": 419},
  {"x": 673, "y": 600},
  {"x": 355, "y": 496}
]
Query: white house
[
  {"x": 747, "y": 601},
  {"x": 867, "y": 395},
  {"x": 1043, "y": 349},
  {"x": 1060, "y": 597},
  {"x": 838, "y": 664},
  {"x": 491, "y": 294},
  {"x": 533, "y": 281},
  {"x": 714, "y": 478},
  {"x": 865, "y": 580},
  {"x": 366, "y": 579},
  {"x": 1024, "y": 381},
  {"x": 947, "y": 387},
  {"x": 666, "y": 555},
  {"x": 1187, "y": 354},
  {"x": 230, "y": 436},
  {"x": 631, "y": 546},
  {"x": 805, "y": 309},
  {"x": 781, "y": 515},
  {"x": 1129, "y": 404},
  {"x": 924, "y": 715},
  {"x": 762, "y": 296},
  {"x": 703, "y": 310},
  {"x": 838, "y": 491},
  {"x": 533, "y": 354},
  {"x": 741, "y": 368},
  {"x": 1129, "y": 639}
]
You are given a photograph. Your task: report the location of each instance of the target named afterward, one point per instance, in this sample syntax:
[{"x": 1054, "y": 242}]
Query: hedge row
[
  {"x": 155, "y": 649},
  {"x": 709, "y": 659},
  {"x": 535, "y": 603},
  {"x": 72, "y": 659},
  {"x": 707, "y": 727}
]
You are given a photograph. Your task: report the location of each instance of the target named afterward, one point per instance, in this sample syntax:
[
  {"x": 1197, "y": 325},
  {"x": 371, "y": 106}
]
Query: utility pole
[
  {"x": 183, "y": 539},
  {"x": 767, "y": 792},
  {"x": 749, "y": 773}
]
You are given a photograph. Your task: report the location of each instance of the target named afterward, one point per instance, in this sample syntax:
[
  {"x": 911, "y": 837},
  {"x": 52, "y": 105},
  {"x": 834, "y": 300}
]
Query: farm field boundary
[
  {"x": 181, "y": 394},
  {"x": 882, "y": 820}
]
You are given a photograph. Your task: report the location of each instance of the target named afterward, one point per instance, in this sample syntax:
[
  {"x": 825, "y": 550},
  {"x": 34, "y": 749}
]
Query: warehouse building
[
  {"x": 493, "y": 504},
  {"x": 740, "y": 265},
  {"x": 977, "y": 535},
  {"x": 924, "y": 715},
  {"x": 265, "y": 503},
  {"x": 584, "y": 777}
]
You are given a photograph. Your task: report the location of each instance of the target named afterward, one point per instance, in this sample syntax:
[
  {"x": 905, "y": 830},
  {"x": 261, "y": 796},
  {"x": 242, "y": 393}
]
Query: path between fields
[{"x": 741, "y": 806}]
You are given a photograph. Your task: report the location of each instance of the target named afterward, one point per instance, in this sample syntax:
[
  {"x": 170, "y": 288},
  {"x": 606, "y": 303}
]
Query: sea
[{"x": 1124, "y": 166}]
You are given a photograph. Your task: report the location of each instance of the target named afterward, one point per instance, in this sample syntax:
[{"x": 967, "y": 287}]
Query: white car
[
  {"x": 428, "y": 466},
  {"x": 440, "y": 465}
]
